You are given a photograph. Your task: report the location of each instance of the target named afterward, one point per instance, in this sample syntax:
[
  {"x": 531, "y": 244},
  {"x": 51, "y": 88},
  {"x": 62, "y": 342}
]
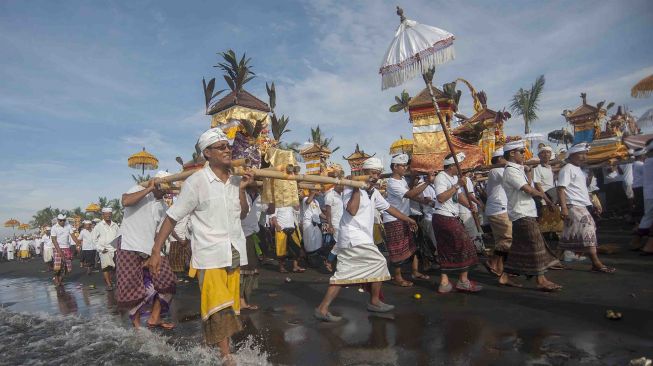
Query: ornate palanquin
[
  {"x": 315, "y": 158},
  {"x": 586, "y": 120},
  {"x": 356, "y": 160},
  {"x": 429, "y": 143},
  {"x": 282, "y": 193}
]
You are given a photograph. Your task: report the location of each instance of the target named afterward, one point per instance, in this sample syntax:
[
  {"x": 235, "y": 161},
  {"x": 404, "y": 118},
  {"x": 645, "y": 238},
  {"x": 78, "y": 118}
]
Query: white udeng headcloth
[
  {"x": 582, "y": 147},
  {"x": 514, "y": 145},
  {"x": 107, "y": 209},
  {"x": 210, "y": 137},
  {"x": 498, "y": 152},
  {"x": 400, "y": 159},
  {"x": 460, "y": 156},
  {"x": 373, "y": 163}
]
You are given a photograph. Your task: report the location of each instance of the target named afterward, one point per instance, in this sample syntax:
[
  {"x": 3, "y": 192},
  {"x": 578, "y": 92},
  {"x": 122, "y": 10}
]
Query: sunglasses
[{"x": 224, "y": 147}]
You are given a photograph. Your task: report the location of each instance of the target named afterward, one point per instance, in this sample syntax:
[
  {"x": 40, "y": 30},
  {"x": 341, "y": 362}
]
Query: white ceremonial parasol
[
  {"x": 417, "y": 49},
  {"x": 646, "y": 120}
]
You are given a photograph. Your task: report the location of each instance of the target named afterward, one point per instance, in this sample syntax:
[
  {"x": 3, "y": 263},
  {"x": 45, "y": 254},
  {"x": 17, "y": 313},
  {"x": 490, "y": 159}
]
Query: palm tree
[
  {"x": 278, "y": 124},
  {"x": 525, "y": 103},
  {"x": 238, "y": 73},
  {"x": 141, "y": 178},
  {"x": 316, "y": 138},
  {"x": 402, "y": 102}
]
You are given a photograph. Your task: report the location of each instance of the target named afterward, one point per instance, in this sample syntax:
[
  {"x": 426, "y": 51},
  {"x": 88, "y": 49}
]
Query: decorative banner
[{"x": 313, "y": 166}]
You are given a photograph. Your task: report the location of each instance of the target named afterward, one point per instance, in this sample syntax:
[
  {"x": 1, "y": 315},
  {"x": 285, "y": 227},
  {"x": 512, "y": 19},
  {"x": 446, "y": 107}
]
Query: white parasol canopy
[
  {"x": 415, "y": 49},
  {"x": 646, "y": 120}
]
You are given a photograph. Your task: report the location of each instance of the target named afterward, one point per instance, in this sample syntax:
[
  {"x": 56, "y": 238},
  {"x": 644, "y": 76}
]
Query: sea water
[{"x": 80, "y": 330}]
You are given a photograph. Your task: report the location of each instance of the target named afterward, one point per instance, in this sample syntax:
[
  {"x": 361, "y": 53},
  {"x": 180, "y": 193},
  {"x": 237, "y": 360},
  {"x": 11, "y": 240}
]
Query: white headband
[
  {"x": 513, "y": 145},
  {"x": 373, "y": 163},
  {"x": 449, "y": 161},
  {"x": 498, "y": 152},
  {"x": 399, "y": 159},
  {"x": 210, "y": 137},
  {"x": 581, "y": 147},
  {"x": 107, "y": 210}
]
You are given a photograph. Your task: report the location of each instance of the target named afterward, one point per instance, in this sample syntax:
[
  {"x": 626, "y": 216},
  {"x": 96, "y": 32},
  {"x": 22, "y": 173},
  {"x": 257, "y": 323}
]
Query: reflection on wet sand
[{"x": 67, "y": 303}]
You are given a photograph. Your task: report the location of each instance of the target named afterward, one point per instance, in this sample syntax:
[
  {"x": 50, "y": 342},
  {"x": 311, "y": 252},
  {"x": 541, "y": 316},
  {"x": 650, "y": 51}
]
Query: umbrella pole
[{"x": 453, "y": 152}]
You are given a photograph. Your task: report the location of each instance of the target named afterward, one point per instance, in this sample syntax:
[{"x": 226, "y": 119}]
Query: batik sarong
[
  {"x": 456, "y": 251},
  {"x": 501, "y": 232},
  {"x": 399, "y": 241},
  {"x": 64, "y": 262},
  {"x": 362, "y": 263},
  {"x": 88, "y": 258},
  {"x": 249, "y": 272},
  {"x": 219, "y": 302},
  {"x": 579, "y": 232},
  {"x": 551, "y": 221},
  {"x": 528, "y": 254},
  {"x": 179, "y": 253},
  {"x": 137, "y": 288}
]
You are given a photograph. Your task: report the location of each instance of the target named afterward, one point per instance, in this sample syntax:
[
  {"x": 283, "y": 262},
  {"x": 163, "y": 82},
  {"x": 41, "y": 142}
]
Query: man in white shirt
[
  {"x": 549, "y": 215},
  {"x": 399, "y": 237},
  {"x": 615, "y": 197},
  {"x": 287, "y": 237},
  {"x": 104, "y": 236},
  {"x": 88, "y": 247},
  {"x": 61, "y": 234},
  {"x": 647, "y": 220},
  {"x": 23, "y": 247},
  {"x": 627, "y": 184},
  {"x": 10, "y": 250},
  {"x": 426, "y": 224},
  {"x": 249, "y": 272},
  {"x": 467, "y": 217},
  {"x": 456, "y": 251},
  {"x": 48, "y": 248},
  {"x": 311, "y": 230},
  {"x": 579, "y": 233},
  {"x": 638, "y": 196},
  {"x": 179, "y": 254},
  {"x": 359, "y": 259},
  {"x": 496, "y": 211},
  {"x": 333, "y": 212},
  {"x": 529, "y": 254},
  {"x": 216, "y": 202},
  {"x": 139, "y": 287}
]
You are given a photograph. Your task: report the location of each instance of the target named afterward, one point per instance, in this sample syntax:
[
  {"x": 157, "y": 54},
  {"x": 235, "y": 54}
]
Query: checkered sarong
[
  {"x": 66, "y": 259},
  {"x": 130, "y": 278}
]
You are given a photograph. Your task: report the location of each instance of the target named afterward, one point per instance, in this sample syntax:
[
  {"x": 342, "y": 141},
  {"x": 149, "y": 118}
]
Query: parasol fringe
[{"x": 394, "y": 75}]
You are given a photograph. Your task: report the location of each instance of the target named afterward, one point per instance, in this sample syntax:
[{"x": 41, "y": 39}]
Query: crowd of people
[{"x": 218, "y": 232}]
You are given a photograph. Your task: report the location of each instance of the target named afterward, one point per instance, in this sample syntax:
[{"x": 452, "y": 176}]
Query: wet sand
[{"x": 499, "y": 326}]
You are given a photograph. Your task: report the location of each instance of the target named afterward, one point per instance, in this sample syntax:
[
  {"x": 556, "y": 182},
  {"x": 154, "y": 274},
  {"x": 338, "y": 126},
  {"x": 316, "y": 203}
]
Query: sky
[{"x": 83, "y": 85}]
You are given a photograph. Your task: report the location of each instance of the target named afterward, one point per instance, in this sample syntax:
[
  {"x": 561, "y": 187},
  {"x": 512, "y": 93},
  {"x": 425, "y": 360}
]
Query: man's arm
[
  {"x": 354, "y": 202},
  {"x": 155, "y": 259},
  {"x": 130, "y": 199},
  {"x": 396, "y": 213},
  {"x": 446, "y": 195}
]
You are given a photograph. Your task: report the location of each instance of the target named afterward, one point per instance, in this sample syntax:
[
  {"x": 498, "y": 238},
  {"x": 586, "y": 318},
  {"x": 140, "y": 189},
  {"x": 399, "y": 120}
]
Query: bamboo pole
[
  {"x": 185, "y": 174},
  {"x": 451, "y": 149},
  {"x": 274, "y": 174}
]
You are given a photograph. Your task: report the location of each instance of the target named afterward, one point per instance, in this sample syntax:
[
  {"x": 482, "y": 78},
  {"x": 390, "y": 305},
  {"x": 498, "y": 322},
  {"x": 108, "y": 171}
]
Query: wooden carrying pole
[
  {"x": 275, "y": 174},
  {"x": 284, "y": 173},
  {"x": 453, "y": 152}
]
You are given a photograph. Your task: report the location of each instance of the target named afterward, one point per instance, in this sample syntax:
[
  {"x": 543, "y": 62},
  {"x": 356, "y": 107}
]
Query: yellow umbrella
[
  {"x": 12, "y": 223},
  {"x": 93, "y": 207},
  {"x": 643, "y": 88},
  {"x": 402, "y": 146},
  {"x": 23, "y": 227},
  {"x": 143, "y": 160}
]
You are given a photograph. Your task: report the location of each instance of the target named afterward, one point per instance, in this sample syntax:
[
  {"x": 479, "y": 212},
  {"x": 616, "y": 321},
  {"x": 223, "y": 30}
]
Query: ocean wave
[{"x": 45, "y": 339}]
